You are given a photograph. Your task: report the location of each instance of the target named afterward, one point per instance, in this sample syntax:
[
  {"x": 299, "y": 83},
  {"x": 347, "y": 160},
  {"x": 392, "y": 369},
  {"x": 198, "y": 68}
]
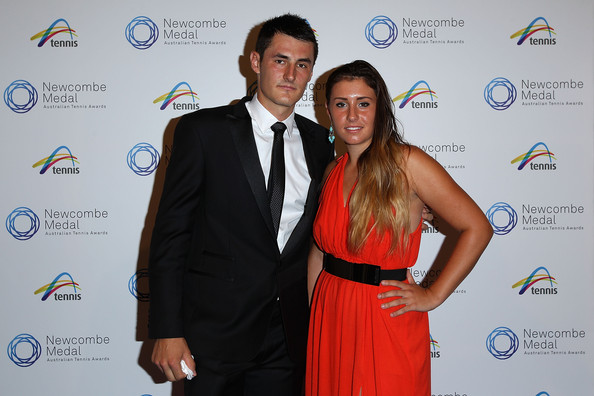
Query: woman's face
[{"x": 351, "y": 108}]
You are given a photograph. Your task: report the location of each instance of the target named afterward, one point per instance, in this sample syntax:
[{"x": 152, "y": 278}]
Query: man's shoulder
[
  {"x": 212, "y": 113},
  {"x": 213, "y": 120},
  {"x": 304, "y": 122}
]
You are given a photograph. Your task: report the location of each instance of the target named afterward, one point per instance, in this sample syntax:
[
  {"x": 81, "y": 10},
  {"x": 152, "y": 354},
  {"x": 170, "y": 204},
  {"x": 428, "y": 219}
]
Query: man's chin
[{"x": 288, "y": 100}]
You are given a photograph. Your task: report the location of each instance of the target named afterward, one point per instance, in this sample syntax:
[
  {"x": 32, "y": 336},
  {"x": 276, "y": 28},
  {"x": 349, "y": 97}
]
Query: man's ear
[{"x": 255, "y": 61}]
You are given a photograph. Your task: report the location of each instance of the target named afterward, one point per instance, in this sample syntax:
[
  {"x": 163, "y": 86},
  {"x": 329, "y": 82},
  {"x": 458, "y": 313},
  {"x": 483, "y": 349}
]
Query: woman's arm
[
  {"x": 315, "y": 262},
  {"x": 432, "y": 185}
]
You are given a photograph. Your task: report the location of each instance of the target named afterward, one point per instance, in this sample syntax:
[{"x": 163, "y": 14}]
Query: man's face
[{"x": 283, "y": 73}]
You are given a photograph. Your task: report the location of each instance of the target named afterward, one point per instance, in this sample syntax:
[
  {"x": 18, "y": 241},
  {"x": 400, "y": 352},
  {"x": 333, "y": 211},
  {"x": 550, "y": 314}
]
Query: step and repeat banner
[{"x": 500, "y": 94}]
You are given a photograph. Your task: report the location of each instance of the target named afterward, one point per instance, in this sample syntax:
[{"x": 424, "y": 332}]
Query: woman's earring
[{"x": 331, "y": 135}]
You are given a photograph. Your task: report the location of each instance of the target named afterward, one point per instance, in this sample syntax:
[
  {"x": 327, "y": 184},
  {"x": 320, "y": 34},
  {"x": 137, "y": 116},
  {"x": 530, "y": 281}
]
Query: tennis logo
[
  {"x": 142, "y": 32},
  {"x": 20, "y": 96},
  {"x": 541, "y": 274},
  {"x": 500, "y": 93},
  {"x": 420, "y": 90},
  {"x": 53, "y": 30},
  {"x": 64, "y": 280},
  {"x": 56, "y": 157},
  {"x": 532, "y": 154},
  {"x": 381, "y": 32},
  {"x": 178, "y": 92},
  {"x": 534, "y": 27},
  {"x": 312, "y": 29},
  {"x": 434, "y": 345}
]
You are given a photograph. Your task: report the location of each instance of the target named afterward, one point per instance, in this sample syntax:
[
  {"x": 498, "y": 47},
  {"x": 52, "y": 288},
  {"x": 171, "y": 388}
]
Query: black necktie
[{"x": 276, "y": 178}]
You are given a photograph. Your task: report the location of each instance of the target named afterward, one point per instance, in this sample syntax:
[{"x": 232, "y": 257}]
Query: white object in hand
[{"x": 186, "y": 370}]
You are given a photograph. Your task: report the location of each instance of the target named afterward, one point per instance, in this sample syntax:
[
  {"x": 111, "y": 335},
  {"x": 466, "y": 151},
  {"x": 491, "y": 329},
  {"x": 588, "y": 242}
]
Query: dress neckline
[{"x": 343, "y": 161}]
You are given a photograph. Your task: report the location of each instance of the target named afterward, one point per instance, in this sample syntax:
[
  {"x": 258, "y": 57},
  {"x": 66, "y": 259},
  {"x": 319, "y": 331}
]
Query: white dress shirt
[{"x": 297, "y": 177}]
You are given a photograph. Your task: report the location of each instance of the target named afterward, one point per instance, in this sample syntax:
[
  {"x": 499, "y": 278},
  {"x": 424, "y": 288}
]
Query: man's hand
[{"x": 168, "y": 354}]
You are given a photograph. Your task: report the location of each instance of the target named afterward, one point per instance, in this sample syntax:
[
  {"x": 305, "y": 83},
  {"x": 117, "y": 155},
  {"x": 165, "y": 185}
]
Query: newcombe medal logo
[
  {"x": 381, "y": 32},
  {"x": 142, "y": 32},
  {"x": 20, "y": 96}
]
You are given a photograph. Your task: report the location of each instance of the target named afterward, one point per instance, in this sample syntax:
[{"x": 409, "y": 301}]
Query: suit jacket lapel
[{"x": 243, "y": 137}]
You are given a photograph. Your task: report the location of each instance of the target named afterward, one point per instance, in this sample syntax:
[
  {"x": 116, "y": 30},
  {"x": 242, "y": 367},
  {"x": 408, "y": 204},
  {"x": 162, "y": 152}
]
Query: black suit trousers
[{"x": 270, "y": 373}]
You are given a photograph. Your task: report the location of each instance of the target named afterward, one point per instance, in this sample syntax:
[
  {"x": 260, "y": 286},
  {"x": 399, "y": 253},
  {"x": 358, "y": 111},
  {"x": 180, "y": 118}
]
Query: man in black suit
[{"x": 227, "y": 275}]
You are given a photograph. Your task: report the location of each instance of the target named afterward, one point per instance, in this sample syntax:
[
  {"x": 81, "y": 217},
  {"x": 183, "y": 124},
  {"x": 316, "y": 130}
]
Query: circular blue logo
[
  {"x": 133, "y": 285},
  {"x": 507, "y": 211},
  {"x": 388, "y": 29},
  {"x": 501, "y": 85},
  {"x": 31, "y": 226},
  {"x": 143, "y": 150},
  {"x": 139, "y": 42},
  {"x": 24, "y": 350},
  {"x": 20, "y": 104},
  {"x": 502, "y": 343}
]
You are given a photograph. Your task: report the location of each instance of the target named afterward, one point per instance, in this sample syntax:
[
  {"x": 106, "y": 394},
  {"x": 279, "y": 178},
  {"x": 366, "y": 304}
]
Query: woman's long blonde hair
[{"x": 380, "y": 201}]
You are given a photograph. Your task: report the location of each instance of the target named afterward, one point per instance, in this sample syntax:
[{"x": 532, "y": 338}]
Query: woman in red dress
[{"x": 369, "y": 332}]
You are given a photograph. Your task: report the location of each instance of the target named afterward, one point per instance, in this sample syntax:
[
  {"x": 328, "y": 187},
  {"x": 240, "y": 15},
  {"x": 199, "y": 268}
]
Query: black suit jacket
[{"x": 215, "y": 267}]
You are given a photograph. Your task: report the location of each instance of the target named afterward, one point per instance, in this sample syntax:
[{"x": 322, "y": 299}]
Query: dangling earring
[{"x": 331, "y": 135}]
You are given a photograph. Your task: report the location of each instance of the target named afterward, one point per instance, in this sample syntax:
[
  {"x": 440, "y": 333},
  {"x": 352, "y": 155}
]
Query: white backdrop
[{"x": 89, "y": 113}]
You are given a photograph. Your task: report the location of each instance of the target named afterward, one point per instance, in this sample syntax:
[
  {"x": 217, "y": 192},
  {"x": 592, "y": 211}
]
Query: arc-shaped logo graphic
[
  {"x": 143, "y": 149},
  {"x": 433, "y": 343},
  {"x": 176, "y": 93},
  {"x": 414, "y": 92},
  {"x": 534, "y": 277},
  {"x": 51, "y": 31},
  {"x": 533, "y": 28},
  {"x": 24, "y": 350},
  {"x": 502, "y": 343},
  {"x": 31, "y": 96},
  {"x": 509, "y": 224},
  {"x": 542, "y": 394},
  {"x": 144, "y": 23},
  {"x": 500, "y": 84},
  {"x": 388, "y": 38},
  {"x": 525, "y": 158},
  {"x": 29, "y": 230},
  {"x": 312, "y": 29},
  {"x": 54, "y": 157},
  {"x": 56, "y": 284},
  {"x": 133, "y": 285}
]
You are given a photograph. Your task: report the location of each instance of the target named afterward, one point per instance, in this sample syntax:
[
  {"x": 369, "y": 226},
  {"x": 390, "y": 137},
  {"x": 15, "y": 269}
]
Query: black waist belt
[{"x": 362, "y": 273}]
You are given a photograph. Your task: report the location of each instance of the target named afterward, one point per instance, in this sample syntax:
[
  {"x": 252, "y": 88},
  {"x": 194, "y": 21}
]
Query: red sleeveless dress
[{"x": 355, "y": 347}]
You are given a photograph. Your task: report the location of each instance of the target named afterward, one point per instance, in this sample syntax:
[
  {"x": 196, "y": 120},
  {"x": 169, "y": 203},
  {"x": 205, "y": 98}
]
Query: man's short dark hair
[{"x": 289, "y": 24}]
